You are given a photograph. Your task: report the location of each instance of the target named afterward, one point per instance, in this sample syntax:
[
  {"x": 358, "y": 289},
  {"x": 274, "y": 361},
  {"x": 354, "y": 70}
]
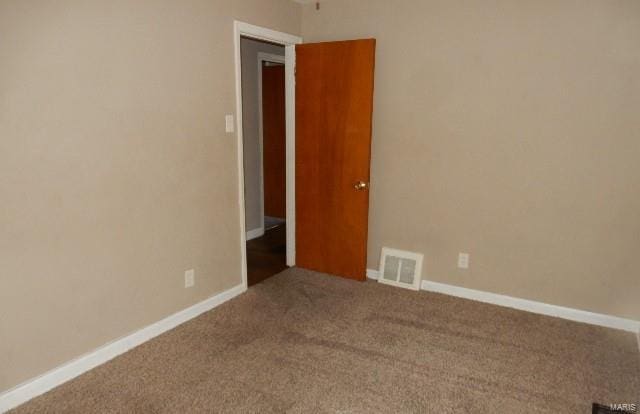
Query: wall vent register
[{"x": 400, "y": 268}]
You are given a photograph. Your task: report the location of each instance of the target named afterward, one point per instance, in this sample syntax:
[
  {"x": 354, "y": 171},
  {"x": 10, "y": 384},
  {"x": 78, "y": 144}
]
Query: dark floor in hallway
[{"x": 267, "y": 255}]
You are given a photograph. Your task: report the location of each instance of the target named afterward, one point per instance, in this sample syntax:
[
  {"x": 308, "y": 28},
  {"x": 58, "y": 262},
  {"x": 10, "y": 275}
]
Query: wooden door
[
  {"x": 274, "y": 140},
  {"x": 334, "y": 104}
]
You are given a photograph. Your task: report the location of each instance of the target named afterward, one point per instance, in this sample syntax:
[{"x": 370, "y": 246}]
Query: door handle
[{"x": 361, "y": 185}]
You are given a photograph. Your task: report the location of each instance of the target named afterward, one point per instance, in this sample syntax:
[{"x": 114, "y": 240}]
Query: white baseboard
[
  {"x": 372, "y": 274},
  {"x": 535, "y": 307},
  {"x": 577, "y": 315},
  {"x": 43, "y": 383},
  {"x": 255, "y": 233}
]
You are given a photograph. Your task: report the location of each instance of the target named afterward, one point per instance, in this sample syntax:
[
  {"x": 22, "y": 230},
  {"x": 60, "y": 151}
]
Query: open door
[
  {"x": 274, "y": 141},
  {"x": 334, "y": 105}
]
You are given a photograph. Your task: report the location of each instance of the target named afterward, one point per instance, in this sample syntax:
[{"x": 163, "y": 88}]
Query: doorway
[
  {"x": 264, "y": 61},
  {"x": 326, "y": 159},
  {"x": 264, "y": 142}
]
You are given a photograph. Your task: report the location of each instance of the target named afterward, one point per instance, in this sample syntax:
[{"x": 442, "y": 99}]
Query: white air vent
[{"x": 400, "y": 268}]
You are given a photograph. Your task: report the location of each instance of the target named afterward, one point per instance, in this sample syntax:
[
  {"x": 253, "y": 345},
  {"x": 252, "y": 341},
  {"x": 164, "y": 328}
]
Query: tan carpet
[{"x": 306, "y": 342}]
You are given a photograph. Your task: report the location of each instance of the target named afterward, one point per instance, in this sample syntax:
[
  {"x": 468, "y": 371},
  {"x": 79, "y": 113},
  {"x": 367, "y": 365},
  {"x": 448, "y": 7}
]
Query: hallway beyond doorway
[{"x": 266, "y": 255}]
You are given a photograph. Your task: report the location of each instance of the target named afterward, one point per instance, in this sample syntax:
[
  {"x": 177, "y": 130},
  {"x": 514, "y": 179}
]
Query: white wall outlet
[
  {"x": 228, "y": 123},
  {"x": 463, "y": 260},
  {"x": 189, "y": 278}
]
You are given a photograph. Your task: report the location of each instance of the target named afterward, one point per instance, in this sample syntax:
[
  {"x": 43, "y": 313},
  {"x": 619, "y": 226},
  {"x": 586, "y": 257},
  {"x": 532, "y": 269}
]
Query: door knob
[{"x": 361, "y": 185}]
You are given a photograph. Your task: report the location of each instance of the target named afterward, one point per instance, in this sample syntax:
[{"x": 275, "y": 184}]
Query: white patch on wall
[{"x": 400, "y": 268}]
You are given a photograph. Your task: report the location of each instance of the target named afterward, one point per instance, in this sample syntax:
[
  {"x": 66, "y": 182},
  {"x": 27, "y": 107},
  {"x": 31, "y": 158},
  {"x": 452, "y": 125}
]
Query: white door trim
[
  {"x": 289, "y": 42},
  {"x": 263, "y": 57},
  {"x": 290, "y": 91}
]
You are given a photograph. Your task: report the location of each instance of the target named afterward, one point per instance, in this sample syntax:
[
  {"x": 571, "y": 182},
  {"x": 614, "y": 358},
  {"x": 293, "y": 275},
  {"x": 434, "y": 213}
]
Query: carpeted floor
[{"x": 306, "y": 342}]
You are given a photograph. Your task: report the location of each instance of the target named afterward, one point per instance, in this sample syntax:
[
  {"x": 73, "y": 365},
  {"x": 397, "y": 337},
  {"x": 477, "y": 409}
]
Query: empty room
[{"x": 336, "y": 206}]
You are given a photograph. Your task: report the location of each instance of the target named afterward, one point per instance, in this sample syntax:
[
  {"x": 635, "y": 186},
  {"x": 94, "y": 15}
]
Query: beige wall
[
  {"x": 509, "y": 130},
  {"x": 506, "y": 129},
  {"x": 115, "y": 172},
  {"x": 250, "y": 127}
]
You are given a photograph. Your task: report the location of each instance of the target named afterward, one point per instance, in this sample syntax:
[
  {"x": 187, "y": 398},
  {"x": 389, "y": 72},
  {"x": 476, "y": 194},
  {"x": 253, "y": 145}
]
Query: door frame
[
  {"x": 288, "y": 41},
  {"x": 263, "y": 57}
]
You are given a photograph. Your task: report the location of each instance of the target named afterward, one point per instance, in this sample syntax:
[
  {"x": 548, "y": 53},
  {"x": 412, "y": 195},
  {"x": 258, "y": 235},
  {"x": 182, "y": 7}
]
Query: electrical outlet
[
  {"x": 463, "y": 260},
  {"x": 189, "y": 278}
]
